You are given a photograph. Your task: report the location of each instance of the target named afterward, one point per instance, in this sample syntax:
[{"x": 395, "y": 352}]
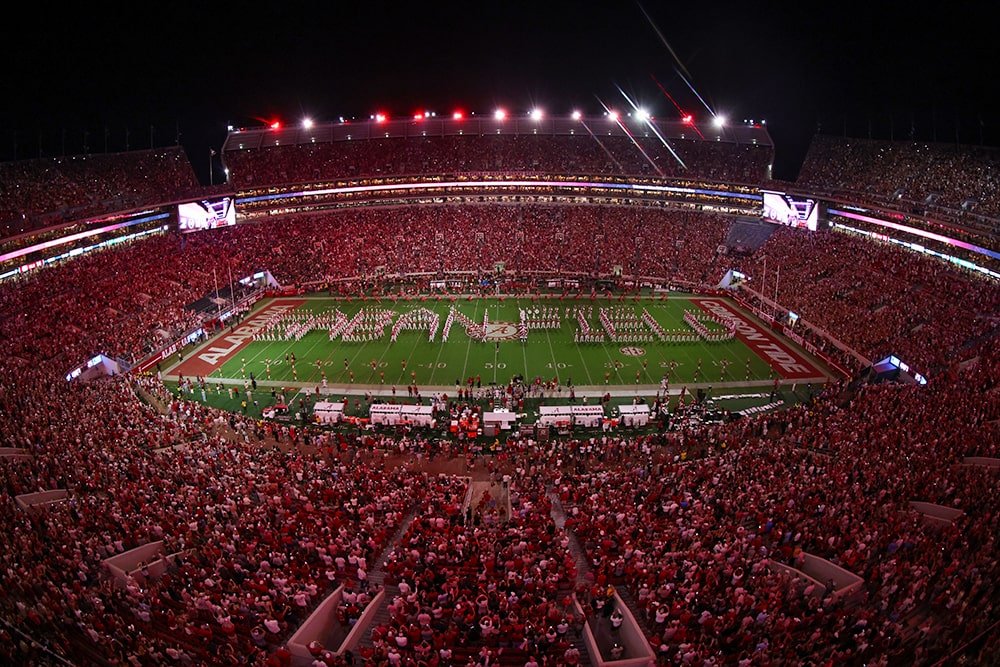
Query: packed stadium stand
[
  {"x": 444, "y": 155},
  {"x": 250, "y": 524},
  {"x": 884, "y": 300},
  {"x": 589, "y": 146},
  {"x": 957, "y": 182},
  {"x": 39, "y": 193}
]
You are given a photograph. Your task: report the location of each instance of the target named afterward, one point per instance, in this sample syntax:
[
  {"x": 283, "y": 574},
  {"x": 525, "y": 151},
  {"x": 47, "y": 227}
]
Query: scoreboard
[{"x": 791, "y": 210}]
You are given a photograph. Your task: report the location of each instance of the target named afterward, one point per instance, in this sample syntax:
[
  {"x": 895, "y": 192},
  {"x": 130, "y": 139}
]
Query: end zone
[
  {"x": 787, "y": 361},
  {"x": 223, "y": 348}
]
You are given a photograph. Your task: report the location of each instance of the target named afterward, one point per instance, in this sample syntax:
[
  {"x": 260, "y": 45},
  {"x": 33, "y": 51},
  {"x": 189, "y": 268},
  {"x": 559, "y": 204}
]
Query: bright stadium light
[
  {"x": 719, "y": 121},
  {"x": 380, "y": 118},
  {"x": 688, "y": 119},
  {"x": 307, "y": 123},
  {"x": 418, "y": 116},
  {"x": 536, "y": 115},
  {"x": 641, "y": 115},
  {"x": 276, "y": 125},
  {"x": 458, "y": 115},
  {"x": 577, "y": 115},
  {"x": 613, "y": 116},
  {"x": 499, "y": 114}
]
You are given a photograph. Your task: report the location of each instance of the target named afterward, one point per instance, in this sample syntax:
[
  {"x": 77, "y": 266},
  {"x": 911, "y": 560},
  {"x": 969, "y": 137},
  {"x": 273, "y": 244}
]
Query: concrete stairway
[
  {"x": 582, "y": 568},
  {"x": 376, "y": 579}
]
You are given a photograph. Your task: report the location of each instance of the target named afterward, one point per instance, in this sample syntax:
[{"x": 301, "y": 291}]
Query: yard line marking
[
  {"x": 552, "y": 353},
  {"x": 289, "y": 346},
  {"x": 586, "y": 366},
  {"x": 468, "y": 348}
]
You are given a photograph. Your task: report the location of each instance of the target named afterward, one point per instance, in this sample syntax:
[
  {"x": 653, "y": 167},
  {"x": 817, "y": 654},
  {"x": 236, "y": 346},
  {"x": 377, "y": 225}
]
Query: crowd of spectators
[
  {"x": 131, "y": 301},
  {"x": 883, "y": 301},
  {"x": 476, "y": 585},
  {"x": 569, "y": 154},
  {"x": 687, "y": 524},
  {"x": 671, "y": 244},
  {"x": 877, "y": 298},
  {"x": 833, "y": 480},
  {"x": 261, "y": 535},
  {"x": 48, "y": 191},
  {"x": 906, "y": 173},
  {"x": 684, "y": 522}
]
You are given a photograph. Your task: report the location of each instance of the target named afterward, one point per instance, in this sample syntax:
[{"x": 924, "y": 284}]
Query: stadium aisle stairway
[{"x": 376, "y": 579}]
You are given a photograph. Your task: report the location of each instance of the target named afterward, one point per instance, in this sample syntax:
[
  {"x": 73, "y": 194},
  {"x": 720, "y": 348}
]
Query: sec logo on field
[{"x": 632, "y": 351}]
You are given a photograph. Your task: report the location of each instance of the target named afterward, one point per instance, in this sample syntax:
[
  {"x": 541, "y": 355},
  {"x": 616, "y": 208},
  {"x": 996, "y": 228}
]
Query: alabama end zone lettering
[
  {"x": 215, "y": 354},
  {"x": 225, "y": 347},
  {"x": 783, "y": 359}
]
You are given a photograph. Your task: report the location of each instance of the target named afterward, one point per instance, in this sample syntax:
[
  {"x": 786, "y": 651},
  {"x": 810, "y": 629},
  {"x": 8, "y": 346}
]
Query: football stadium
[{"x": 515, "y": 387}]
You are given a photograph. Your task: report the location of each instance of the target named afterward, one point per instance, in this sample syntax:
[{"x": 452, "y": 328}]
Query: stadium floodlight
[
  {"x": 536, "y": 114},
  {"x": 457, "y": 115},
  {"x": 641, "y": 115},
  {"x": 719, "y": 121},
  {"x": 380, "y": 118},
  {"x": 418, "y": 116},
  {"x": 307, "y": 123},
  {"x": 613, "y": 116},
  {"x": 276, "y": 125},
  {"x": 577, "y": 115},
  {"x": 688, "y": 119},
  {"x": 499, "y": 114}
]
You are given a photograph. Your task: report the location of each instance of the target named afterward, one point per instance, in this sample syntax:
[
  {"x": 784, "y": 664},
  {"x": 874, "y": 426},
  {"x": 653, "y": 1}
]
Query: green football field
[{"x": 551, "y": 354}]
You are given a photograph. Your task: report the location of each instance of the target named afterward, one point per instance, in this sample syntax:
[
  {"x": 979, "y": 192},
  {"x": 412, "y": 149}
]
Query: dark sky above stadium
[{"x": 77, "y": 78}]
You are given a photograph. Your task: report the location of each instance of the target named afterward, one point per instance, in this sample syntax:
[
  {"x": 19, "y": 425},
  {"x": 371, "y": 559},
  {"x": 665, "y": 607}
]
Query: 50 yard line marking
[
  {"x": 468, "y": 348},
  {"x": 496, "y": 352},
  {"x": 496, "y": 347}
]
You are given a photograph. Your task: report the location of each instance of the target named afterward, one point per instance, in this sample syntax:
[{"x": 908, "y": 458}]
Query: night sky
[{"x": 79, "y": 79}]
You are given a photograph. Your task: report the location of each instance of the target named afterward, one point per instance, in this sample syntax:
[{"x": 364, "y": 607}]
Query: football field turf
[{"x": 551, "y": 354}]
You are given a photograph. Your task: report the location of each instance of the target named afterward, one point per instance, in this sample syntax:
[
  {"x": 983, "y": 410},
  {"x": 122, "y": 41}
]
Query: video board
[
  {"x": 790, "y": 210},
  {"x": 206, "y": 214}
]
